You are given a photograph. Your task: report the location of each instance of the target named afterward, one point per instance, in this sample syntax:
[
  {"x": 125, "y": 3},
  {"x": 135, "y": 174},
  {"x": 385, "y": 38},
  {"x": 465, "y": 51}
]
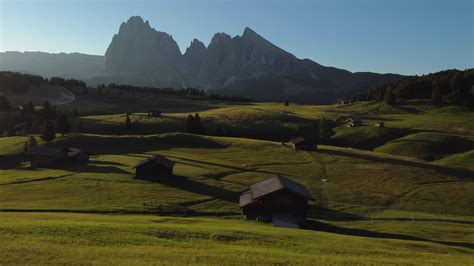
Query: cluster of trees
[
  {"x": 194, "y": 124},
  {"x": 16, "y": 83},
  {"x": 67, "y": 83},
  {"x": 219, "y": 97},
  {"x": 153, "y": 90},
  {"x": 446, "y": 86},
  {"x": 46, "y": 121}
]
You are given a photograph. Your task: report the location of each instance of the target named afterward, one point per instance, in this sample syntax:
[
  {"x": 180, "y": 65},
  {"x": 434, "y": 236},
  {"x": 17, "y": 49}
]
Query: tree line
[
  {"x": 16, "y": 83},
  {"x": 45, "y": 120},
  {"x": 452, "y": 86}
]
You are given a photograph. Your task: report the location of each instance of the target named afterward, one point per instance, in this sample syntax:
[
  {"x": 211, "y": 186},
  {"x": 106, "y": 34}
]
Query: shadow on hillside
[
  {"x": 457, "y": 172},
  {"x": 106, "y": 163},
  {"x": 326, "y": 214},
  {"x": 10, "y": 161},
  {"x": 184, "y": 183},
  {"x": 325, "y": 227},
  {"x": 80, "y": 167},
  {"x": 197, "y": 163}
]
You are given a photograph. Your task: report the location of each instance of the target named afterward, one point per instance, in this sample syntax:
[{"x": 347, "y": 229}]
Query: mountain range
[{"x": 246, "y": 65}]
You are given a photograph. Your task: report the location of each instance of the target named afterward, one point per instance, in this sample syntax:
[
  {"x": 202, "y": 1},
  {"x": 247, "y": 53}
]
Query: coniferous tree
[
  {"x": 436, "y": 95},
  {"x": 32, "y": 143},
  {"x": 28, "y": 126},
  {"x": 62, "y": 125},
  {"x": 30, "y": 108},
  {"x": 128, "y": 123},
  {"x": 80, "y": 129},
  {"x": 325, "y": 130},
  {"x": 389, "y": 98},
  {"x": 48, "y": 112},
  {"x": 198, "y": 126},
  {"x": 47, "y": 132},
  {"x": 4, "y": 103},
  {"x": 10, "y": 129},
  {"x": 190, "y": 124}
]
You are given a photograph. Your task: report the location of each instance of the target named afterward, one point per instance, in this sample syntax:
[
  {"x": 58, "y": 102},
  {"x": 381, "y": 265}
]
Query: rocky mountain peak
[
  {"x": 196, "y": 46},
  {"x": 220, "y": 38}
]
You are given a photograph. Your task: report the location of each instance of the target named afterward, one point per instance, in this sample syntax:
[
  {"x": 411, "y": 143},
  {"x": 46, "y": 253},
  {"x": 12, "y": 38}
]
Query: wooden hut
[
  {"x": 155, "y": 167},
  {"x": 78, "y": 155},
  {"x": 353, "y": 121},
  {"x": 154, "y": 113},
  {"x": 41, "y": 156},
  {"x": 278, "y": 200},
  {"x": 379, "y": 124},
  {"x": 300, "y": 143}
]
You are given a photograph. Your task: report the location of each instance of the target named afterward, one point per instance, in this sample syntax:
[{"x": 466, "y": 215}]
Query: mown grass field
[
  {"x": 374, "y": 205},
  {"x": 44, "y": 238}
]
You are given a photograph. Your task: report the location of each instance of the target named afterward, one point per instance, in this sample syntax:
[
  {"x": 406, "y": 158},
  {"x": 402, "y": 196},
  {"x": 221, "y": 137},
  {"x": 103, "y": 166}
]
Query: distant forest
[
  {"x": 452, "y": 86},
  {"x": 18, "y": 83}
]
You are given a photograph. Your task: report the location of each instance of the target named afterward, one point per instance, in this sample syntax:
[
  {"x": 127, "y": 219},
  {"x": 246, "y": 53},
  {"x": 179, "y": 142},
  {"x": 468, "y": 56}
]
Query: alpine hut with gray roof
[
  {"x": 300, "y": 143},
  {"x": 278, "y": 200},
  {"x": 155, "y": 167}
]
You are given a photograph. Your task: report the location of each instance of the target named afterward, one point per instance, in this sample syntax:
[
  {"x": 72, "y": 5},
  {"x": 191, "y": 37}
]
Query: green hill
[
  {"x": 426, "y": 145},
  {"x": 465, "y": 160},
  {"x": 58, "y": 238}
]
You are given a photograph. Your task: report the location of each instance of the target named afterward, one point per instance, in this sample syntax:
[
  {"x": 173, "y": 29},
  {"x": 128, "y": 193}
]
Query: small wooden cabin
[
  {"x": 300, "y": 143},
  {"x": 155, "y": 167},
  {"x": 353, "y": 121},
  {"x": 78, "y": 155},
  {"x": 41, "y": 156},
  {"x": 154, "y": 113},
  {"x": 278, "y": 200},
  {"x": 379, "y": 124}
]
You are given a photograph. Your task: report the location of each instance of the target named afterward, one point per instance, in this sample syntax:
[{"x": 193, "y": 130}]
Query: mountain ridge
[{"x": 245, "y": 65}]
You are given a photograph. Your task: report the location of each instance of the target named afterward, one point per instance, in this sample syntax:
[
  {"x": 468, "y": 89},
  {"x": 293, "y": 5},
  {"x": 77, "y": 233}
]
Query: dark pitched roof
[
  {"x": 74, "y": 151},
  {"x": 354, "y": 118},
  {"x": 45, "y": 151},
  {"x": 298, "y": 140},
  {"x": 245, "y": 199},
  {"x": 277, "y": 183},
  {"x": 158, "y": 159}
]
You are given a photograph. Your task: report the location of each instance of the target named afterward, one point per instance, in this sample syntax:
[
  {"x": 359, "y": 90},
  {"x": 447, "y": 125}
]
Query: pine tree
[
  {"x": 27, "y": 126},
  {"x": 10, "y": 129},
  {"x": 198, "y": 126},
  {"x": 389, "y": 98},
  {"x": 325, "y": 130},
  {"x": 190, "y": 124},
  {"x": 62, "y": 125},
  {"x": 48, "y": 133},
  {"x": 80, "y": 129},
  {"x": 436, "y": 95},
  {"x": 48, "y": 112},
  {"x": 32, "y": 143},
  {"x": 30, "y": 109},
  {"x": 4, "y": 103},
  {"x": 128, "y": 123}
]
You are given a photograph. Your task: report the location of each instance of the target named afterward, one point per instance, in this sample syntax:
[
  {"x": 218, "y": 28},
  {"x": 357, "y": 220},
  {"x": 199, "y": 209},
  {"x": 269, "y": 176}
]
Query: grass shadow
[
  {"x": 325, "y": 227},
  {"x": 457, "y": 172}
]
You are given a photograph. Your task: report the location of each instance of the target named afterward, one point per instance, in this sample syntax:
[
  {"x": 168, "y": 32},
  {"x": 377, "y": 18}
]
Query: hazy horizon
[{"x": 391, "y": 37}]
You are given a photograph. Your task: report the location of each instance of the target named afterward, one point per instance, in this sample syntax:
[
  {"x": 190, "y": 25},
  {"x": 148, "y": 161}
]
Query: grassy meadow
[{"x": 401, "y": 194}]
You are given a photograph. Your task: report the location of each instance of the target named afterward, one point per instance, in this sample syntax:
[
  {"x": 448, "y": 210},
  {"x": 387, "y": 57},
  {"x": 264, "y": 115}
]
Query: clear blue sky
[{"x": 398, "y": 36}]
